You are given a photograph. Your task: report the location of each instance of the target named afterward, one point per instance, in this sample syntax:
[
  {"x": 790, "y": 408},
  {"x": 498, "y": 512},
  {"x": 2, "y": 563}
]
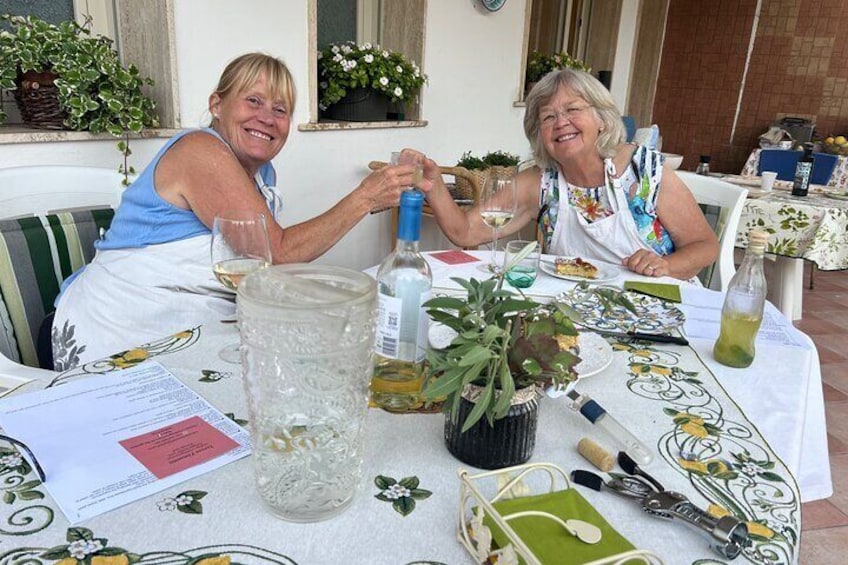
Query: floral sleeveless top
[{"x": 593, "y": 203}]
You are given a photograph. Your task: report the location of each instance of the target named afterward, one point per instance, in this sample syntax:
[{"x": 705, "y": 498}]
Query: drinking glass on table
[
  {"x": 240, "y": 245},
  {"x": 497, "y": 207},
  {"x": 521, "y": 264}
]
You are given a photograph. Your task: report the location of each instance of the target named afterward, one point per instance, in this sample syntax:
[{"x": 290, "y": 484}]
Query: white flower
[
  {"x": 78, "y": 549},
  {"x": 338, "y": 57},
  {"x": 184, "y": 500},
  {"x": 384, "y": 81},
  {"x": 396, "y": 491},
  {"x": 167, "y": 504},
  {"x": 416, "y": 73},
  {"x": 11, "y": 460},
  {"x": 93, "y": 546},
  {"x": 335, "y": 49},
  {"x": 369, "y": 58},
  {"x": 366, "y": 46},
  {"x": 385, "y": 54},
  {"x": 398, "y": 91},
  {"x": 399, "y": 69},
  {"x": 320, "y": 54},
  {"x": 346, "y": 49}
]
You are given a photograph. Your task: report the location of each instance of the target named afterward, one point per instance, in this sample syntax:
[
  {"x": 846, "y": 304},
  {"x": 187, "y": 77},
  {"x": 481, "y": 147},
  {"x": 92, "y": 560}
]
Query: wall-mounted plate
[{"x": 490, "y": 5}]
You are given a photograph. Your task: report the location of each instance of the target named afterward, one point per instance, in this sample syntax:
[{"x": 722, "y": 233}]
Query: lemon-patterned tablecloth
[{"x": 664, "y": 393}]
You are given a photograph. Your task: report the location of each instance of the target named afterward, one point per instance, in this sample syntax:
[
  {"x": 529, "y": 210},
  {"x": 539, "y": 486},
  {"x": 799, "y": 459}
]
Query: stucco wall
[{"x": 473, "y": 63}]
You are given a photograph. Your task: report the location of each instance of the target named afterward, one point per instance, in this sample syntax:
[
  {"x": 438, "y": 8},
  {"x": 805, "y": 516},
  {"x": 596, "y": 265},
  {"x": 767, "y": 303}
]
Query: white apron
[
  {"x": 609, "y": 239},
  {"x": 128, "y": 297}
]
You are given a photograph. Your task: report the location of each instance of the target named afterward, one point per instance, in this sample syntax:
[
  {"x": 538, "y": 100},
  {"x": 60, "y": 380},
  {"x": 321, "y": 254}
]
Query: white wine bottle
[
  {"x": 742, "y": 312},
  {"x": 404, "y": 282}
]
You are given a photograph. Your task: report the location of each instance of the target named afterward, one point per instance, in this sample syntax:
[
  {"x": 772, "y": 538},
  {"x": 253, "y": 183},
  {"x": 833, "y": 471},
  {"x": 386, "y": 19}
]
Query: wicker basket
[
  {"x": 463, "y": 185},
  {"x": 38, "y": 100}
]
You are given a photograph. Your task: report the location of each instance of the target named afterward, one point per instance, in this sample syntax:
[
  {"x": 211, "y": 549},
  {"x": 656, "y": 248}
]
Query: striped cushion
[{"x": 36, "y": 255}]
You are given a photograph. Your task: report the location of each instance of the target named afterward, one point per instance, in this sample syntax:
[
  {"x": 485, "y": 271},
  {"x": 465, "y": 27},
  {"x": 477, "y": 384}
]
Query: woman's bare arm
[{"x": 201, "y": 174}]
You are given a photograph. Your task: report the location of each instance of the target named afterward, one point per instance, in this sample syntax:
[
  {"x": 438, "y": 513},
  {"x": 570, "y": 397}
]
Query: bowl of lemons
[{"x": 836, "y": 145}]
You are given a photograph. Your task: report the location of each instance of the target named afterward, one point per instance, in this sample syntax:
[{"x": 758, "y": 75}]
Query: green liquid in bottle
[{"x": 735, "y": 345}]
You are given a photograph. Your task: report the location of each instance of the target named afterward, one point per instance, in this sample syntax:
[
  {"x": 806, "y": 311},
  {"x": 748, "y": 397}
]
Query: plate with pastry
[{"x": 579, "y": 270}]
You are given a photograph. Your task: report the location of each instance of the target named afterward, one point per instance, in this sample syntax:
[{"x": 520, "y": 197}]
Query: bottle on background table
[
  {"x": 803, "y": 171},
  {"x": 703, "y": 165},
  {"x": 742, "y": 312},
  {"x": 404, "y": 283}
]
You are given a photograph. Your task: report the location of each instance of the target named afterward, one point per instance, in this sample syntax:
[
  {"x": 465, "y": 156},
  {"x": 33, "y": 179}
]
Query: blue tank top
[{"x": 145, "y": 218}]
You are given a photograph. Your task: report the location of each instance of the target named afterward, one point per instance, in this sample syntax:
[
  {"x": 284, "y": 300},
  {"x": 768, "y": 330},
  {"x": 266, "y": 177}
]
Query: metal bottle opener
[{"x": 728, "y": 535}]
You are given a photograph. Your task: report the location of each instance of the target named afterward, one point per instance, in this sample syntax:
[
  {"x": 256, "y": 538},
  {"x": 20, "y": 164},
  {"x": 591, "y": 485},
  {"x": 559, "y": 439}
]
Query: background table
[
  {"x": 219, "y": 514},
  {"x": 838, "y": 179},
  {"x": 813, "y": 227}
]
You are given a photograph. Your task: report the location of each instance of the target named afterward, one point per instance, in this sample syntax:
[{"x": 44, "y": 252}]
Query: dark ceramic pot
[
  {"x": 509, "y": 442},
  {"x": 359, "y": 105}
]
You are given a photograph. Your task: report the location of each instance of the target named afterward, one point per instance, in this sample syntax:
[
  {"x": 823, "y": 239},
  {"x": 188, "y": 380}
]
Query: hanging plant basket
[
  {"x": 510, "y": 441},
  {"x": 38, "y": 100},
  {"x": 359, "y": 105}
]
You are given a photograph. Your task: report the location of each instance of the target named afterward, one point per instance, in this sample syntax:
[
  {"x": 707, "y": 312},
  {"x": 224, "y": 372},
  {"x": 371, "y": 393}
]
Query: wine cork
[{"x": 595, "y": 454}]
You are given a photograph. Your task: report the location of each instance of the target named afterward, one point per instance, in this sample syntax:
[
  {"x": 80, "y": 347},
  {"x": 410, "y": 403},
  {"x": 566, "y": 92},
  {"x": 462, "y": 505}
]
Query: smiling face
[
  {"x": 254, "y": 122},
  {"x": 569, "y": 126}
]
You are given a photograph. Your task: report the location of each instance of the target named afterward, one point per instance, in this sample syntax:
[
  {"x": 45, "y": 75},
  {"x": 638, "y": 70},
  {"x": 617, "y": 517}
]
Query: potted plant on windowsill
[
  {"x": 66, "y": 78},
  {"x": 506, "y": 347},
  {"x": 358, "y": 82},
  {"x": 539, "y": 64}
]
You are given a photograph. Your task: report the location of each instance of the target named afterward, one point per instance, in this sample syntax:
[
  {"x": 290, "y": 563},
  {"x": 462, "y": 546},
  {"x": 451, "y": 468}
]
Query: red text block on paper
[
  {"x": 178, "y": 447},
  {"x": 454, "y": 257}
]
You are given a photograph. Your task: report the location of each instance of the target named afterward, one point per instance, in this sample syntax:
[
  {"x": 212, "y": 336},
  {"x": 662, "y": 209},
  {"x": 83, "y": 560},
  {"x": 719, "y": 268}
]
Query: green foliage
[
  {"x": 95, "y": 90},
  {"x": 504, "y": 342},
  {"x": 540, "y": 64},
  {"x": 490, "y": 159},
  {"x": 471, "y": 162},
  {"x": 343, "y": 66}
]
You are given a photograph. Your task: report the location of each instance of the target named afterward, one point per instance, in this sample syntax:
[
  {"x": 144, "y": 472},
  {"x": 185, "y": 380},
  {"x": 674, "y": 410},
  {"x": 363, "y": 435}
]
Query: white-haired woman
[{"x": 592, "y": 195}]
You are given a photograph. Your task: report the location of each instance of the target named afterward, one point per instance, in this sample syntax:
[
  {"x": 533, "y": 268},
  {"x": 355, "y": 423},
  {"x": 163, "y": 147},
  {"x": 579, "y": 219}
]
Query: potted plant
[
  {"x": 539, "y": 64},
  {"x": 64, "y": 77},
  {"x": 506, "y": 347},
  {"x": 353, "y": 77},
  {"x": 500, "y": 163}
]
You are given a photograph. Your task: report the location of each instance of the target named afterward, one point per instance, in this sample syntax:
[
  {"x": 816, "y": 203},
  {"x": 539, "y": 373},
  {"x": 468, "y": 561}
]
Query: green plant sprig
[{"x": 503, "y": 342}]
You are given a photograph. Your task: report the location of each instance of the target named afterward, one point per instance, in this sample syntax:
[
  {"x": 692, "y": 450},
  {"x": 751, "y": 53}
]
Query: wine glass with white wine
[
  {"x": 240, "y": 245},
  {"x": 497, "y": 207}
]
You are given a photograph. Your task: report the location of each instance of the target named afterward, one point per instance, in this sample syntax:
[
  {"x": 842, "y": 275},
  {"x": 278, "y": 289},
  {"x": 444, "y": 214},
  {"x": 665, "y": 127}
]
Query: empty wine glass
[
  {"x": 240, "y": 245},
  {"x": 497, "y": 207}
]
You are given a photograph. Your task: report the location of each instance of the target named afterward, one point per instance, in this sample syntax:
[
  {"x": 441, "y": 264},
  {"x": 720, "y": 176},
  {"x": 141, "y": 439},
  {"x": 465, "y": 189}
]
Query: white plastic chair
[
  {"x": 712, "y": 191},
  {"x": 37, "y": 190},
  {"x": 40, "y": 190}
]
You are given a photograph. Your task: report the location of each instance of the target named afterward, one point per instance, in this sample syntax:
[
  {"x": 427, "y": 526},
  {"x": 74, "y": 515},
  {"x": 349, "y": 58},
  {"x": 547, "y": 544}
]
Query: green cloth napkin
[
  {"x": 547, "y": 539},
  {"x": 669, "y": 292}
]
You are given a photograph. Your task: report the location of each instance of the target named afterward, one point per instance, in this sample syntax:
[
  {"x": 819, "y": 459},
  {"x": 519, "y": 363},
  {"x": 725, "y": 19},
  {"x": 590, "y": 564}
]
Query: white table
[
  {"x": 781, "y": 420},
  {"x": 781, "y": 392}
]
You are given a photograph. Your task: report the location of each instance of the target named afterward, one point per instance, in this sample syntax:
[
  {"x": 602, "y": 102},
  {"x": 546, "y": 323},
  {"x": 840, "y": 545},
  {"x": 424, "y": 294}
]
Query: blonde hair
[
  {"x": 243, "y": 72},
  {"x": 592, "y": 91}
]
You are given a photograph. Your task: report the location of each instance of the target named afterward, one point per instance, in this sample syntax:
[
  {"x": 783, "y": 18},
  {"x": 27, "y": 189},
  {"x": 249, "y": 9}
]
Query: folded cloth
[
  {"x": 547, "y": 539},
  {"x": 665, "y": 291}
]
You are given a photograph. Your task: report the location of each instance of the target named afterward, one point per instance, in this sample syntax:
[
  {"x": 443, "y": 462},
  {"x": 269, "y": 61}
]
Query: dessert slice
[{"x": 575, "y": 267}]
